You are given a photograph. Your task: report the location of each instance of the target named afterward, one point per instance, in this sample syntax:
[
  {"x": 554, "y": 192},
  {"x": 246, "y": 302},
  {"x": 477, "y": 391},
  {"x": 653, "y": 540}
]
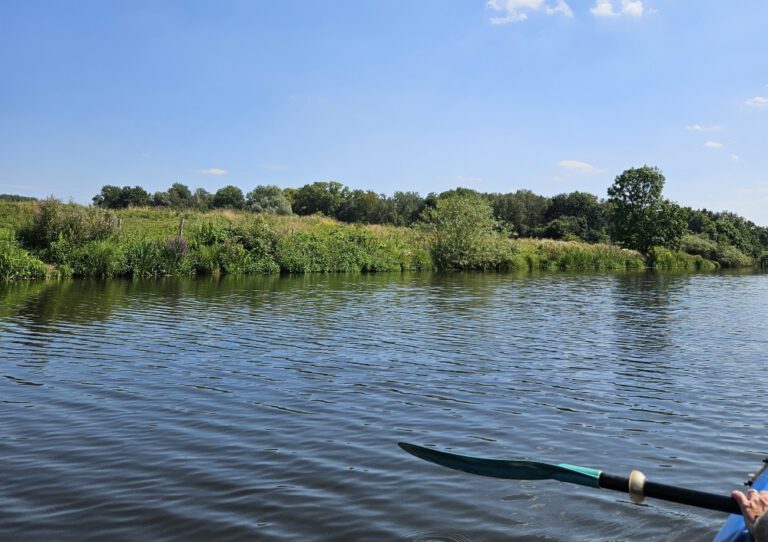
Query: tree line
[{"x": 635, "y": 214}]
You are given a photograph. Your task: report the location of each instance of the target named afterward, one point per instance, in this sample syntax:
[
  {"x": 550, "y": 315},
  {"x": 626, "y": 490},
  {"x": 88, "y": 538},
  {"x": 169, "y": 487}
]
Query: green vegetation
[
  {"x": 640, "y": 217},
  {"x": 458, "y": 233},
  {"x": 128, "y": 233},
  {"x": 464, "y": 234}
]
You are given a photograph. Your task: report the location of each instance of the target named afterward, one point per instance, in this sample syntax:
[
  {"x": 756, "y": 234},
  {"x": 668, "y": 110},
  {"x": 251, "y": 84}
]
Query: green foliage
[
  {"x": 320, "y": 197},
  {"x": 348, "y": 249},
  {"x": 202, "y": 200},
  {"x": 725, "y": 255},
  {"x": 17, "y": 264},
  {"x": 14, "y": 198},
  {"x": 104, "y": 259},
  {"x": 268, "y": 199},
  {"x": 640, "y": 217},
  {"x": 521, "y": 212},
  {"x": 14, "y": 215},
  {"x": 154, "y": 258},
  {"x": 408, "y": 207},
  {"x": 573, "y": 256},
  {"x": 54, "y": 220},
  {"x": 568, "y": 228},
  {"x": 663, "y": 258},
  {"x": 576, "y": 214},
  {"x": 464, "y": 234},
  {"x": 228, "y": 197},
  {"x": 366, "y": 207},
  {"x": 114, "y": 197}
]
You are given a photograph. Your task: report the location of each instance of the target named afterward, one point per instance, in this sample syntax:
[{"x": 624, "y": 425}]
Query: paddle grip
[{"x": 681, "y": 495}]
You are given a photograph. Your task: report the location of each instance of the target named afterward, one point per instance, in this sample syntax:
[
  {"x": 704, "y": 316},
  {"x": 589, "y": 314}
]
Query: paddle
[{"x": 636, "y": 485}]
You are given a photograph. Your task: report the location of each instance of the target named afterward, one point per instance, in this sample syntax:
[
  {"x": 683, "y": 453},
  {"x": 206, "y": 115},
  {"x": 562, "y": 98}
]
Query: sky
[{"x": 424, "y": 95}]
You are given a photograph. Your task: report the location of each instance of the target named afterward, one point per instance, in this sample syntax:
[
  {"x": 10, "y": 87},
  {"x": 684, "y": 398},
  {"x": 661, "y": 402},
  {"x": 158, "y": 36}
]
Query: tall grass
[
  {"x": 55, "y": 239},
  {"x": 573, "y": 256},
  {"x": 665, "y": 259},
  {"x": 17, "y": 264}
]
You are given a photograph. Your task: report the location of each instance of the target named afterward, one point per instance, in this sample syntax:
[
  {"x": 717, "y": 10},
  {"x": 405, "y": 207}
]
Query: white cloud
[
  {"x": 560, "y": 7},
  {"x": 217, "y": 172},
  {"x": 713, "y": 145},
  {"x": 702, "y": 128},
  {"x": 603, "y": 8},
  {"x": 758, "y": 102},
  {"x": 630, "y": 8},
  {"x": 575, "y": 165},
  {"x": 514, "y": 11},
  {"x": 633, "y": 8}
]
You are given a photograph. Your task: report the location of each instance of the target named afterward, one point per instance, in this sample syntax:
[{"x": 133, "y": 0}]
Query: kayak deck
[{"x": 734, "y": 530}]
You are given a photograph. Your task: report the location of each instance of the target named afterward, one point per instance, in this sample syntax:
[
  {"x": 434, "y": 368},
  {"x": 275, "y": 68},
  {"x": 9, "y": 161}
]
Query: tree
[
  {"x": 268, "y": 199},
  {"x": 320, "y": 197},
  {"x": 364, "y": 206},
  {"x": 640, "y": 217},
  {"x": 408, "y": 207},
  {"x": 109, "y": 197},
  {"x": 180, "y": 196},
  {"x": 521, "y": 212},
  {"x": 229, "y": 197},
  {"x": 161, "y": 199},
  {"x": 577, "y": 213},
  {"x": 113, "y": 197},
  {"x": 202, "y": 199}
]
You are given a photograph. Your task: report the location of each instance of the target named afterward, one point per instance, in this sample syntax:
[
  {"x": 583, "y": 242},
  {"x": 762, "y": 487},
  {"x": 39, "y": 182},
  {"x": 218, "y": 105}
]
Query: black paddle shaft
[{"x": 680, "y": 495}]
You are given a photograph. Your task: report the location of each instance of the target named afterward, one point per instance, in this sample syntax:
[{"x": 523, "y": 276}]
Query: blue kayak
[{"x": 733, "y": 530}]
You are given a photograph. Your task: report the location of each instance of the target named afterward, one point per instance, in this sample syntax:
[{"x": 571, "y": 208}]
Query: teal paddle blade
[{"x": 509, "y": 469}]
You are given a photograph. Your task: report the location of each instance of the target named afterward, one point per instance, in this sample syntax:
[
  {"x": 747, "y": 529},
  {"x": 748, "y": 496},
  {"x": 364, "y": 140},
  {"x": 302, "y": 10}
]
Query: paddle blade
[{"x": 509, "y": 469}]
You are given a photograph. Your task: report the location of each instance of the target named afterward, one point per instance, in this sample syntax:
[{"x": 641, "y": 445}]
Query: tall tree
[
  {"x": 640, "y": 217},
  {"x": 228, "y": 197},
  {"x": 320, "y": 197},
  {"x": 113, "y": 197},
  {"x": 268, "y": 199}
]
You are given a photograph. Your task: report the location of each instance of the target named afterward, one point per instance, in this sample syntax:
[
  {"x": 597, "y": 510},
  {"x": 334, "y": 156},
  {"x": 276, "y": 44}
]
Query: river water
[{"x": 269, "y": 408}]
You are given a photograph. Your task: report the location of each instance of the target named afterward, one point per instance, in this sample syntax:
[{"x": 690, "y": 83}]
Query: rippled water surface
[{"x": 270, "y": 408}]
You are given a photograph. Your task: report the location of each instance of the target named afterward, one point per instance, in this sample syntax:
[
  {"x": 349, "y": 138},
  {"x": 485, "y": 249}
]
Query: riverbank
[{"x": 50, "y": 239}]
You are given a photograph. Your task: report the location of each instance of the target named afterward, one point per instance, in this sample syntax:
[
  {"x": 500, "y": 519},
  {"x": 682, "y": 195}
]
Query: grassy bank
[{"x": 60, "y": 240}]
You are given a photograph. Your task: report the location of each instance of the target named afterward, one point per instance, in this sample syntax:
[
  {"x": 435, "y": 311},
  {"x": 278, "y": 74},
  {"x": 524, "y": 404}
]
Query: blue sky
[{"x": 425, "y": 95}]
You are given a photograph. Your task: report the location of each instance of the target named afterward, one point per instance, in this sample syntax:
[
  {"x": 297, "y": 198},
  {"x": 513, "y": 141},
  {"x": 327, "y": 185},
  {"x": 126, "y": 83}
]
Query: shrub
[
  {"x": 104, "y": 259},
  {"x": 464, "y": 234},
  {"x": 663, "y": 258},
  {"x": 54, "y": 220},
  {"x": 724, "y": 255},
  {"x": 16, "y": 263},
  {"x": 158, "y": 258}
]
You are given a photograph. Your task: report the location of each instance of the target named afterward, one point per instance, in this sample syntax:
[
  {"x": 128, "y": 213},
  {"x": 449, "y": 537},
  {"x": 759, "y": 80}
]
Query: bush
[
  {"x": 464, "y": 234},
  {"x": 724, "y": 255},
  {"x": 663, "y": 258},
  {"x": 156, "y": 258},
  {"x": 16, "y": 263},
  {"x": 575, "y": 256},
  {"x": 347, "y": 249},
  {"x": 54, "y": 220},
  {"x": 103, "y": 259}
]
